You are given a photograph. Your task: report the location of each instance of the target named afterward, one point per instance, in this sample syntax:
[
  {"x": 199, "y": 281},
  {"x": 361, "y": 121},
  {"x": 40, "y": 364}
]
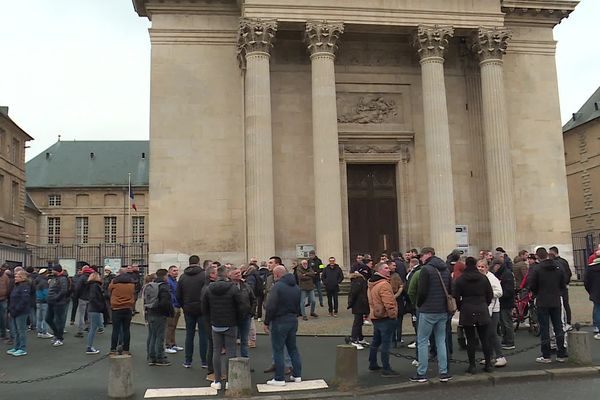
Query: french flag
[{"x": 131, "y": 199}]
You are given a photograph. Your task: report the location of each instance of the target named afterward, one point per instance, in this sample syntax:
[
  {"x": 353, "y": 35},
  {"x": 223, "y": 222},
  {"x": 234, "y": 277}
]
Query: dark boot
[
  {"x": 472, "y": 368},
  {"x": 488, "y": 364},
  {"x": 462, "y": 343}
]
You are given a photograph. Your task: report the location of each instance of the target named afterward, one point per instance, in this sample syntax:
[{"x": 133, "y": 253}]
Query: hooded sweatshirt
[
  {"x": 547, "y": 284},
  {"x": 190, "y": 288},
  {"x": 382, "y": 302},
  {"x": 283, "y": 302},
  {"x": 431, "y": 297}
]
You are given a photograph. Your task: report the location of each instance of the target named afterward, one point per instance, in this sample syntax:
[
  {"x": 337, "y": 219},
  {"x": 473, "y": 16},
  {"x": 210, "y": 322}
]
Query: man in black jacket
[
  {"x": 188, "y": 294},
  {"x": 547, "y": 283},
  {"x": 317, "y": 265},
  {"x": 566, "y": 270},
  {"x": 157, "y": 314},
  {"x": 332, "y": 276},
  {"x": 507, "y": 302}
]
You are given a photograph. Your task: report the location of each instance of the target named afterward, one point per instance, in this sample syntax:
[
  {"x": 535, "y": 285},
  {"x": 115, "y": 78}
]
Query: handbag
[{"x": 450, "y": 301}]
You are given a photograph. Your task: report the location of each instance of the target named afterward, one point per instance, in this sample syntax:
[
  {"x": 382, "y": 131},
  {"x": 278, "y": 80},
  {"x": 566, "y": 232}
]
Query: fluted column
[
  {"x": 431, "y": 43},
  {"x": 322, "y": 38},
  {"x": 255, "y": 41},
  {"x": 490, "y": 45}
]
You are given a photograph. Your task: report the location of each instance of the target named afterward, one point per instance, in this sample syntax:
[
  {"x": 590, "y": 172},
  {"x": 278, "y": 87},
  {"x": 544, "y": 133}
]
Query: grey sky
[{"x": 81, "y": 68}]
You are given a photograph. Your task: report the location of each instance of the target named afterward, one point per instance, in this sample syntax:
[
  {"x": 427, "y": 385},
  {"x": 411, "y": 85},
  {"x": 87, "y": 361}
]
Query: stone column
[
  {"x": 254, "y": 44},
  {"x": 490, "y": 45},
  {"x": 431, "y": 44},
  {"x": 322, "y": 38}
]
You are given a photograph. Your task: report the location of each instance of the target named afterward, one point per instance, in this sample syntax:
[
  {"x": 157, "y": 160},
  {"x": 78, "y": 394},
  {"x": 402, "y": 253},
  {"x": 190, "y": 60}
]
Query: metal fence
[
  {"x": 93, "y": 254},
  {"x": 15, "y": 256},
  {"x": 583, "y": 246}
]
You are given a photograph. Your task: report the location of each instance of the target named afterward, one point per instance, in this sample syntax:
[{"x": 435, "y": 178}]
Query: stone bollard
[
  {"x": 346, "y": 367},
  {"x": 120, "y": 377},
  {"x": 580, "y": 351},
  {"x": 238, "y": 377}
]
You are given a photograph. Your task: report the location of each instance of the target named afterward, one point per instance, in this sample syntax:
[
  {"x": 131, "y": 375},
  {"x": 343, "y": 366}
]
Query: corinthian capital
[
  {"x": 432, "y": 41},
  {"x": 491, "y": 43},
  {"x": 323, "y": 36},
  {"x": 256, "y": 35}
]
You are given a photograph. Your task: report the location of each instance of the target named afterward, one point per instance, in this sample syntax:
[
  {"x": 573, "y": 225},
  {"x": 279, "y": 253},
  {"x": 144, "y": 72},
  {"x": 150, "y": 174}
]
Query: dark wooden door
[{"x": 372, "y": 209}]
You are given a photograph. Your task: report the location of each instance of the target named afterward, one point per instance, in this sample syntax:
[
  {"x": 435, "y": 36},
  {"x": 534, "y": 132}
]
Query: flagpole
[{"x": 129, "y": 211}]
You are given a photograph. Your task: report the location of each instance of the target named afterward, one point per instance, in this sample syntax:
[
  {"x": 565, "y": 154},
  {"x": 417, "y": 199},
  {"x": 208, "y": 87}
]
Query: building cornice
[
  {"x": 537, "y": 12},
  {"x": 146, "y": 8}
]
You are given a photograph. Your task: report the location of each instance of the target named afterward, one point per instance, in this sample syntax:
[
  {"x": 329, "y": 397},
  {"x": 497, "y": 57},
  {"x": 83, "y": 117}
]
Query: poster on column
[{"x": 462, "y": 238}]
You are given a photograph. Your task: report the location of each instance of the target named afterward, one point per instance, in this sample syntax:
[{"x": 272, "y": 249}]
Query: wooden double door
[{"x": 372, "y": 209}]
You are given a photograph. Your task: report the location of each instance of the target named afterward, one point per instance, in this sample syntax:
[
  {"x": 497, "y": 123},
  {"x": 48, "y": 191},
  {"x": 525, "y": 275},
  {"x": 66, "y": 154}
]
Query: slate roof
[
  {"x": 30, "y": 204},
  {"x": 588, "y": 112},
  {"x": 89, "y": 163}
]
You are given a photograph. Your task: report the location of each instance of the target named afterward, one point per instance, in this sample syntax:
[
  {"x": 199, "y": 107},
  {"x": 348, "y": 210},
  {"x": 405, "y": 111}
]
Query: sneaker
[
  {"x": 418, "y": 378},
  {"x": 363, "y": 342},
  {"x": 79, "y": 334},
  {"x": 335, "y": 315},
  {"x": 39, "y": 335},
  {"x": 46, "y": 336},
  {"x": 314, "y": 315},
  {"x": 259, "y": 319},
  {"x": 273, "y": 382},
  {"x": 100, "y": 331},
  {"x": 91, "y": 350},
  {"x": 187, "y": 365},
  {"x": 375, "y": 368},
  {"x": 210, "y": 377},
  {"x": 367, "y": 322},
  {"x": 500, "y": 362},
  {"x": 568, "y": 328},
  {"x": 163, "y": 363},
  {"x": 562, "y": 359},
  {"x": 57, "y": 343},
  {"x": 415, "y": 363},
  {"x": 226, "y": 385},
  {"x": 19, "y": 353},
  {"x": 357, "y": 345},
  {"x": 445, "y": 377},
  {"x": 178, "y": 348},
  {"x": 508, "y": 347},
  {"x": 543, "y": 360},
  {"x": 151, "y": 363},
  {"x": 170, "y": 350},
  {"x": 389, "y": 373},
  {"x": 204, "y": 365},
  {"x": 305, "y": 318},
  {"x": 597, "y": 336},
  {"x": 216, "y": 385},
  {"x": 295, "y": 379},
  {"x": 11, "y": 351},
  {"x": 413, "y": 345},
  {"x": 251, "y": 344},
  {"x": 596, "y": 330}
]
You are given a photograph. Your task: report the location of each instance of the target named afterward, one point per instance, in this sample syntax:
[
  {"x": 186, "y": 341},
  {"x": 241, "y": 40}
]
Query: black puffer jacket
[
  {"x": 357, "y": 298},
  {"x": 473, "y": 294},
  {"x": 507, "y": 281},
  {"x": 222, "y": 301},
  {"x": 591, "y": 281},
  {"x": 547, "y": 284},
  {"x": 164, "y": 308},
  {"x": 189, "y": 290},
  {"x": 96, "y": 298},
  {"x": 431, "y": 297}
]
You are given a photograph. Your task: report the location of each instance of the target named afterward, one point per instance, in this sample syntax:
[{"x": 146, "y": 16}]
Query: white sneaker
[
  {"x": 597, "y": 336},
  {"x": 357, "y": 345},
  {"x": 367, "y": 322},
  {"x": 500, "y": 362},
  {"x": 295, "y": 379},
  {"x": 259, "y": 320},
  {"x": 596, "y": 330},
  {"x": 413, "y": 345},
  {"x": 543, "y": 360},
  {"x": 57, "y": 343},
  {"x": 273, "y": 382},
  {"x": 226, "y": 385},
  {"x": 170, "y": 350},
  {"x": 568, "y": 328},
  {"x": 216, "y": 385},
  {"x": 415, "y": 363},
  {"x": 46, "y": 336},
  {"x": 178, "y": 348},
  {"x": 363, "y": 342},
  {"x": 39, "y": 335}
]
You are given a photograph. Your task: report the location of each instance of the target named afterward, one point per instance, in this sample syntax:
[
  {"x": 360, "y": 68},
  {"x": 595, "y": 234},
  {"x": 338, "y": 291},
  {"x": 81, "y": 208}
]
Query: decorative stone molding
[
  {"x": 549, "y": 12},
  {"x": 374, "y": 148},
  {"x": 255, "y": 35},
  {"x": 432, "y": 41},
  {"x": 491, "y": 43},
  {"x": 323, "y": 36},
  {"x": 370, "y": 110}
]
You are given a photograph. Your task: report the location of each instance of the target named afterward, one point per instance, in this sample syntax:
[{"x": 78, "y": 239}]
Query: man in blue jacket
[
  {"x": 170, "y": 342},
  {"x": 281, "y": 321}
]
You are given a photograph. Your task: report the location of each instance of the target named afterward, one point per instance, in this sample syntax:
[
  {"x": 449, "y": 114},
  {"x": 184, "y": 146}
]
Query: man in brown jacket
[
  {"x": 122, "y": 302},
  {"x": 306, "y": 281},
  {"x": 384, "y": 311}
]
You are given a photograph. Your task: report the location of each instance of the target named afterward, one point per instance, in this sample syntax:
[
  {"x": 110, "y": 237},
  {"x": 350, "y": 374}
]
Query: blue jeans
[
  {"x": 155, "y": 344},
  {"x": 383, "y": 331},
  {"x": 3, "y": 304},
  {"x": 311, "y": 299},
  {"x": 244, "y": 331},
  {"x": 554, "y": 314},
  {"x": 19, "y": 325},
  {"x": 596, "y": 315},
  {"x": 95, "y": 323},
  {"x": 56, "y": 317},
  {"x": 283, "y": 335},
  {"x": 428, "y": 323},
  {"x": 319, "y": 290},
  {"x": 191, "y": 323},
  {"x": 81, "y": 314},
  {"x": 32, "y": 317},
  {"x": 41, "y": 311}
]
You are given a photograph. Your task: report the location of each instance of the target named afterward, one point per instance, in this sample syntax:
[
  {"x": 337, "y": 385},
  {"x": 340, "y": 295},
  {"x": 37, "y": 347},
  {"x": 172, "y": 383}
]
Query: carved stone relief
[{"x": 369, "y": 108}]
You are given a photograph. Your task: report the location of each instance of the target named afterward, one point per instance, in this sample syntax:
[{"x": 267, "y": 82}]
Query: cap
[
  {"x": 107, "y": 268},
  {"x": 500, "y": 249},
  {"x": 57, "y": 268},
  {"x": 87, "y": 269},
  {"x": 42, "y": 271}
]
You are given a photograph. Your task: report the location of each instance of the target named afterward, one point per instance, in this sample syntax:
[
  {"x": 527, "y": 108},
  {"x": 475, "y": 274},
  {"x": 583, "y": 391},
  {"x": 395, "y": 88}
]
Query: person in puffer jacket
[{"x": 19, "y": 307}]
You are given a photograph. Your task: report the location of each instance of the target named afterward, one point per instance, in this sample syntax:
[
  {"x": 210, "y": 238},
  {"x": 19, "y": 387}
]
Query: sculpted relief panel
[{"x": 372, "y": 108}]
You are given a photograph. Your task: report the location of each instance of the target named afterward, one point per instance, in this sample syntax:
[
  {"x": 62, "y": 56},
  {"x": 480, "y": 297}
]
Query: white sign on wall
[
  {"x": 69, "y": 265},
  {"x": 302, "y": 250},
  {"x": 462, "y": 238}
]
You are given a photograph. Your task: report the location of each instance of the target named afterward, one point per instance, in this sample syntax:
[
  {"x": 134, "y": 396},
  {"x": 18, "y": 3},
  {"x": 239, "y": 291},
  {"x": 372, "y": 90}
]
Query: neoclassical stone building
[{"x": 353, "y": 126}]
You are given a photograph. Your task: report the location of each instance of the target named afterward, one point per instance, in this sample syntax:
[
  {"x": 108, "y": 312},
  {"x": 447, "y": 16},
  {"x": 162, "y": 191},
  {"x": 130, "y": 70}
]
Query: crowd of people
[{"x": 222, "y": 305}]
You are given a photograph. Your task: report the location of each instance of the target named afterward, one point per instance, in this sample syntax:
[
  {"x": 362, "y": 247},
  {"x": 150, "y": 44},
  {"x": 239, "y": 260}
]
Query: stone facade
[{"x": 254, "y": 123}]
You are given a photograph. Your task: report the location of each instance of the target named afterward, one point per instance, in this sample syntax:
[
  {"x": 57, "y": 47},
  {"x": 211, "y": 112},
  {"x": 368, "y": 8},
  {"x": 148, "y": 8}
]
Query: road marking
[
  {"x": 289, "y": 386},
  {"x": 180, "y": 392}
]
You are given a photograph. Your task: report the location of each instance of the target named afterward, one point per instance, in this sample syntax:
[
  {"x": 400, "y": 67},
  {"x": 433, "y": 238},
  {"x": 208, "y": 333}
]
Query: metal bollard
[
  {"x": 120, "y": 377},
  {"x": 580, "y": 350},
  {"x": 346, "y": 366},
  {"x": 238, "y": 377}
]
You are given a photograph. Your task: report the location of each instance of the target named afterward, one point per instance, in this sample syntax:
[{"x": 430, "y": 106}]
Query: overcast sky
[{"x": 81, "y": 68}]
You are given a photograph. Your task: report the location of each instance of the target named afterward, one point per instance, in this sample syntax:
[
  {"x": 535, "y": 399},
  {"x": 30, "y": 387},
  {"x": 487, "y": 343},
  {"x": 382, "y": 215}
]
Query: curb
[{"x": 483, "y": 379}]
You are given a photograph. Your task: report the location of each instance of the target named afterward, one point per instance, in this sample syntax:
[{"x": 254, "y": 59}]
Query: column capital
[
  {"x": 490, "y": 43},
  {"x": 255, "y": 36},
  {"x": 323, "y": 36},
  {"x": 432, "y": 41}
]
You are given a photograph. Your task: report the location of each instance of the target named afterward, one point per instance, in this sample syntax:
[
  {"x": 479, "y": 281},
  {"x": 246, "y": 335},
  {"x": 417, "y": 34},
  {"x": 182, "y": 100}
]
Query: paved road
[{"x": 318, "y": 356}]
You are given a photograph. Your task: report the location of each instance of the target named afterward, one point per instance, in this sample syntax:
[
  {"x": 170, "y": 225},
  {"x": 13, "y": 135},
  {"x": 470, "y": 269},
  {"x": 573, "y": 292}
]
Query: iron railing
[{"x": 93, "y": 254}]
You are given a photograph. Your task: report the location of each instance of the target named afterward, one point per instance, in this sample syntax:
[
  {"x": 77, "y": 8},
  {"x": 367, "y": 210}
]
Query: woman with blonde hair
[
  {"x": 18, "y": 308},
  {"x": 96, "y": 308}
]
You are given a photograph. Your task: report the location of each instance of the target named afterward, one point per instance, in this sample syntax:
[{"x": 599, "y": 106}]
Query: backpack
[
  {"x": 150, "y": 294},
  {"x": 259, "y": 286}
]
